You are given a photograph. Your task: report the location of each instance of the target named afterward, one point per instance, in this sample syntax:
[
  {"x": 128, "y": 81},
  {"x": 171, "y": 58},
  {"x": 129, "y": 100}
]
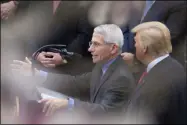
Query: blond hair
[{"x": 155, "y": 36}]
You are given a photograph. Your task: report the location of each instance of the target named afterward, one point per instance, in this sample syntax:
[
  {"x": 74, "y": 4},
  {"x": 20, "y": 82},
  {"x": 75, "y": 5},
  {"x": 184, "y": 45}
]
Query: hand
[
  {"x": 44, "y": 60},
  {"x": 41, "y": 57},
  {"x": 55, "y": 60},
  {"x": 7, "y": 10},
  {"x": 52, "y": 105},
  {"x": 24, "y": 68},
  {"x": 128, "y": 57}
]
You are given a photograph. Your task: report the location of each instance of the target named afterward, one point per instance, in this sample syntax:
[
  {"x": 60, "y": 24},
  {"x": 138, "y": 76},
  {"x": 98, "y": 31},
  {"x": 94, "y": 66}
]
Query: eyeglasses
[{"x": 96, "y": 44}]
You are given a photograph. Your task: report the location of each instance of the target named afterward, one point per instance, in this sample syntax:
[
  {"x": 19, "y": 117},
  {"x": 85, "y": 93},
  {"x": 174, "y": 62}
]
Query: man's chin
[{"x": 94, "y": 61}]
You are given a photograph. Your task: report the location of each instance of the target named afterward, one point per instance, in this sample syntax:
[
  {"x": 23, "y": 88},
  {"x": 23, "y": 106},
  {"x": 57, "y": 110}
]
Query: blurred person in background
[
  {"x": 7, "y": 9},
  {"x": 11, "y": 43},
  {"x": 41, "y": 23},
  {"x": 107, "y": 87},
  {"x": 171, "y": 13},
  {"x": 11, "y": 9},
  {"x": 160, "y": 92},
  {"x": 64, "y": 22},
  {"x": 11, "y": 48}
]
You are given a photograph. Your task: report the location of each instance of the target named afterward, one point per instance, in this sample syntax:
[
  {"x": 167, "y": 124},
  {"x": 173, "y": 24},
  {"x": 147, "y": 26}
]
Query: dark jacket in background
[
  {"x": 69, "y": 26},
  {"x": 172, "y": 14}
]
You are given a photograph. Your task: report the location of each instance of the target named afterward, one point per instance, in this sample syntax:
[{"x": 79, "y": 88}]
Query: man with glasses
[{"x": 109, "y": 84}]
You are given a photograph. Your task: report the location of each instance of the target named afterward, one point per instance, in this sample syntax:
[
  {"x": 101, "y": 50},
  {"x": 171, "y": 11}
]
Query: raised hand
[{"x": 24, "y": 68}]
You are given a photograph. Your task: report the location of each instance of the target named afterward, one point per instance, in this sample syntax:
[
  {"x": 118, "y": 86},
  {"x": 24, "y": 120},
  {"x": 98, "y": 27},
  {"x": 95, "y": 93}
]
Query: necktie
[
  {"x": 55, "y": 5},
  {"x": 143, "y": 74}
]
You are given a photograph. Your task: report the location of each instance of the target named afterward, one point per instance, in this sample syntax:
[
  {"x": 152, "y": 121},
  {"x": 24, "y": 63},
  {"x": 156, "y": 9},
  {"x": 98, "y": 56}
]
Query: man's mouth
[{"x": 94, "y": 56}]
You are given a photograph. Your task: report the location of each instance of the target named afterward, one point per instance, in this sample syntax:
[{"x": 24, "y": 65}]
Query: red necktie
[
  {"x": 55, "y": 5},
  {"x": 143, "y": 74}
]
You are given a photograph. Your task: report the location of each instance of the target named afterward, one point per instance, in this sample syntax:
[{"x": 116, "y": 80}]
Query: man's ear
[
  {"x": 114, "y": 49},
  {"x": 145, "y": 49}
]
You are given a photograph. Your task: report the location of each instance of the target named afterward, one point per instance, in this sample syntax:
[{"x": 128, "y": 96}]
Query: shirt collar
[
  {"x": 154, "y": 62},
  {"x": 106, "y": 65}
]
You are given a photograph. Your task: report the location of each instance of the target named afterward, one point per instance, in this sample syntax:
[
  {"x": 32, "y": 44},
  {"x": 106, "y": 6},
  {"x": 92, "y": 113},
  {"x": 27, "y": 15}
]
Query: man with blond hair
[{"x": 161, "y": 88}]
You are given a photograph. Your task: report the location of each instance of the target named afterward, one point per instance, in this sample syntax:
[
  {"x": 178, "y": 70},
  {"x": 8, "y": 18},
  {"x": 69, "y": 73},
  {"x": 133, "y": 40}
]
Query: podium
[{"x": 29, "y": 110}]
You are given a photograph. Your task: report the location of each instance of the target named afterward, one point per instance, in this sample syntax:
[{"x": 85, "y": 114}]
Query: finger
[
  {"x": 53, "y": 110},
  {"x": 43, "y": 52},
  {"x": 50, "y": 53},
  {"x": 19, "y": 62},
  {"x": 44, "y": 59},
  {"x": 15, "y": 66},
  {"x": 124, "y": 54},
  {"x": 43, "y": 100},
  {"x": 36, "y": 70},
  {"x": 27, "y": 60},
  {"x": 50, "y": 65},
  {"x": 47, "y": 62},
  {"x": 16, "y": 71},
  {"x": 50, "y": 109},
  {"x": 47, "y": 59},
  {"x": 46, "y": 105}
]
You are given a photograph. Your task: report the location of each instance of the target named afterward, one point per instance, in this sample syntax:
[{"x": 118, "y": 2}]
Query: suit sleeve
[
  {"x": 74, "y": 86},
  {"x": 176, "y": 21},
  {"x": 114, "y": 98}
]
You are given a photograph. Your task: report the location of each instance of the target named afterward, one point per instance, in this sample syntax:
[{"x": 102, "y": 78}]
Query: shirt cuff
[
  {"x": 70, "y": 103},
  {"x": 42, "y": 73}
]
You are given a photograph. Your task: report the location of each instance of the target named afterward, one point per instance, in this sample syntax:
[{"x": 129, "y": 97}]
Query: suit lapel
[
  {"x": 107, "y": 75},
  {"x": 147, "y": 11},
  {"x": 95, "y": 81}
]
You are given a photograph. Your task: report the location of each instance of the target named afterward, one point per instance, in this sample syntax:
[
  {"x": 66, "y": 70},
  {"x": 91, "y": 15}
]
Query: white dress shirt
[{"x": 156, "y": 61}]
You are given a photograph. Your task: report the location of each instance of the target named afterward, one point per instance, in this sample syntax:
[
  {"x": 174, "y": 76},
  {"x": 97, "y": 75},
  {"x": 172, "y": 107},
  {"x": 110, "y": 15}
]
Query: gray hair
[{"x": 111, "y": 33}]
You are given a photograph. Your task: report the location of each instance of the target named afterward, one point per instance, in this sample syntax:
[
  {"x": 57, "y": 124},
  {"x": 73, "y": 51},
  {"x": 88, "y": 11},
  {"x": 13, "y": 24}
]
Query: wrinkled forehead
[{"x": 97, "y": 38}]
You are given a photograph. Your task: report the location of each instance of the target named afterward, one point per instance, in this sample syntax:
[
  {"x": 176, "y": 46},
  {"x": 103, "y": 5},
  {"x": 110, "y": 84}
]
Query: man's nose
[{"x": 90, "y": 49}]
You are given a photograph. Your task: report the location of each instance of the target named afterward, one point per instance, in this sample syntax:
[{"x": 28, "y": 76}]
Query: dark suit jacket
[
  {"x": 171, "y": 13},
  {"x": 161, "y": 93},
  {"x": 109, "y": 94}
]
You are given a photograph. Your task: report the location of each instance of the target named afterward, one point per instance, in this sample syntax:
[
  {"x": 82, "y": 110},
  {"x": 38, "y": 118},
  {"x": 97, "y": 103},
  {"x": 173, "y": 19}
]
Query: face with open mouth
[{"x": 99, "y": 49}]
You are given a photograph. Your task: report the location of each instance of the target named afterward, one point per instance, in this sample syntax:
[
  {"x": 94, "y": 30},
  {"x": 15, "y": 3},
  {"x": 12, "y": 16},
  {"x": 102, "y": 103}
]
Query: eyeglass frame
[{"x": 91, "y": 43}]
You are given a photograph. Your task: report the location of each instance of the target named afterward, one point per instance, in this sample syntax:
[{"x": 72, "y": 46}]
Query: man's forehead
[{"x": 97, "y": 36}]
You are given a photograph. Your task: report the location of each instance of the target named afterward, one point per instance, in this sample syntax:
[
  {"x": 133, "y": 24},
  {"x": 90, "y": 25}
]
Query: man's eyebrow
[{"x": 95, "y": 41}]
